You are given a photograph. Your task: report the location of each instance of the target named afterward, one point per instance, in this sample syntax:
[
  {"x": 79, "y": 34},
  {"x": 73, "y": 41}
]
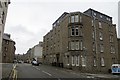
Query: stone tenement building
[
  {"x": 28, "y": 56},
  {"x": 119, "y": 50},
  {"x": 82, "y": 41},
  {"x": 34, "y": 52},
  {"x": 3, "y": 13},
  {"x": 8, "y": 49}
]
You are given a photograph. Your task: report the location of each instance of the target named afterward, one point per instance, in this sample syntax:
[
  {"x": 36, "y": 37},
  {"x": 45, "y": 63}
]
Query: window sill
[
  {"x": 73, "y": 64},
  {"x": 102, "y": 66},
  {"x": 77, "y": 65}
]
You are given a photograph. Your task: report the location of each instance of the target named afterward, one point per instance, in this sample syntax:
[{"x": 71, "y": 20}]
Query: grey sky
[{"x": 29, "y": 20}]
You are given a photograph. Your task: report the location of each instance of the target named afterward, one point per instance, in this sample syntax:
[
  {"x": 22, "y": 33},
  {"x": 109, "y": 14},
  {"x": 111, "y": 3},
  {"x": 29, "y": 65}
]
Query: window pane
[
  {"x": 101, "y": 48},
  {"x": 111, "y": 38},
  {"x": 101, "y": 36},
  {"x": 100, "y": 25},
  {"x": 72, "y": 46},
  {"x": 76, "y": 18},
  {"x": 93, "y": 35},
  {"x": 73, "y": 62},
  {"x": 94, "y": 14},
  {"x": 81, "y": 45},
  {"x": 112, "y": 49},
  {"x": 77, "y": 60},
  {"x": 92, "y": 23},
  {"x": 102, "y": 62},
  {"x": 83, "y": 61},
  {"x": 80, "y": 18},
  {"x": 69, "y": 19},
  {"x": 77, "y": 31},
  {"x": 95, "y": 62},
  {"x": 101, "y": 16},
  {"x": 77, "y": 45},
  {"x": 72, "y": 32},
  {"x": 72, "y": 19}
]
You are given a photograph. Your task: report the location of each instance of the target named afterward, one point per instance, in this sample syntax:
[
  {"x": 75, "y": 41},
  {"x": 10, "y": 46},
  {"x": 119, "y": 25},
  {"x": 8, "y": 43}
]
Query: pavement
[{"x": 6, "y": 70}]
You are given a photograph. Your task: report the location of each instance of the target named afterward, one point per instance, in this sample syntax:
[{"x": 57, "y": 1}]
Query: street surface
[
  {"x": 45, "y": 71},
  {"x": 6, "y": 69},
  {"x": 25, "y": 71}
]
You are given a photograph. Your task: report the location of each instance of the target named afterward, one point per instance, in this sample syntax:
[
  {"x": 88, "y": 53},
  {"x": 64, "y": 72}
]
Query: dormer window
[
  {"x": 101, "y": 16},
  {"x": 72, "y": 19},
  {"x": 80, "y": 18},
  {"x": 108, "y": 19},
  {"x": 94, "y": 14},
  {"x": 54, "y": 25},
  {"x": 76, "y": 18}
]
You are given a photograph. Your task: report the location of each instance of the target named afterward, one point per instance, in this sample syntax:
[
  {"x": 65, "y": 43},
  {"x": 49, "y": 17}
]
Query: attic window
[
  {"x": 101, "y": 16},
  {"x": 94, "y": 14},
  {"x": 108, "y": 19}
]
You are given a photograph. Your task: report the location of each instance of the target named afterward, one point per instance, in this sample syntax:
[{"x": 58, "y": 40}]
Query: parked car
[
  {"x": 115, "y": 68},
  {"x": 20, "y": 61},
  {"x": 35, "y": 63}
]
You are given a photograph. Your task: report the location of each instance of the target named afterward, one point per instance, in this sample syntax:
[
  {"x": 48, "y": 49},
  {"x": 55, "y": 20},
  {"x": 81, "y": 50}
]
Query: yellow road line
[
  {"x": 16, "y": 74},
  {"x": 13, "y": 74}
]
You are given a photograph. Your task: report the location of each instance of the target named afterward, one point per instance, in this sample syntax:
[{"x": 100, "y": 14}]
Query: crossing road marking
[
  {"x": 36, "y": 68},
  {"x": 47, "y": 73},
  {"x": 43, "y": 71}
]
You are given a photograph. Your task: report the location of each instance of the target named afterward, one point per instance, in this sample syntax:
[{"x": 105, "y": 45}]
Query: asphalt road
[
  {"x": 43, "y": 71},
  {"x": 48, "y": 72}
]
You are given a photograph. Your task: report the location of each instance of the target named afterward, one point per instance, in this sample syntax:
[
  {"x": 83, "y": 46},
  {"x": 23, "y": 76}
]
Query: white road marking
[
  {"x": 59, "y": 79},
  {"x": 90, "y": 77},
  {"x": 47, "y": 73},
  {"x": 42, "y": 71},
  {"x": 36, "y": 68}
]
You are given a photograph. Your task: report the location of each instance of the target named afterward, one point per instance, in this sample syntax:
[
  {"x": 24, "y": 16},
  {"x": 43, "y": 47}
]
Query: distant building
[
  {"x": 8, "y": 49},
  {"x": 35, "y": 53},
  {"x": 119, "y": 50},
  {"x": 82, "y": 41},
  {"x": 3, "y": 13},
  {"x": 27, "y": 56},
  {"x": 19, "y": 57}
]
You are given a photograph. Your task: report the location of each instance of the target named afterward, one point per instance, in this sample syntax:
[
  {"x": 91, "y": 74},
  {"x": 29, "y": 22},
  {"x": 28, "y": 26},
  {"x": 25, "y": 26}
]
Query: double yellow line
[{"x": 13, "y": 75}]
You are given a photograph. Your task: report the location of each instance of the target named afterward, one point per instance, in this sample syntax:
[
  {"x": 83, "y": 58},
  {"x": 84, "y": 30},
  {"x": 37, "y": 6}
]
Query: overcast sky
[{"x": 29, "y": 20}]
